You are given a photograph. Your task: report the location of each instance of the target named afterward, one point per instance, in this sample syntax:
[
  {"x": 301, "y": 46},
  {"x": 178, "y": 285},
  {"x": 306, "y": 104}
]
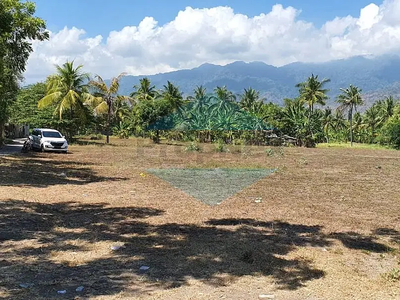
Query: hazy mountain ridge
[{"x": 378, "y": 77}]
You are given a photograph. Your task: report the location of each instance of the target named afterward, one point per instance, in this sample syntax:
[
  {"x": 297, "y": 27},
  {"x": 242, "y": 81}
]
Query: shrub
[
  {"x": 193, "y": 147},
  {"x": 269, "y": 151},
  {"x": 220, "y": 146},
  {"x": 96, "y": 137},
  {"x": 391, "y": 133}
]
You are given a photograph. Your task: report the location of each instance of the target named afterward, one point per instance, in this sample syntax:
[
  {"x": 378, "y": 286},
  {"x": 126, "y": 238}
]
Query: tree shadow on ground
[
  {"x": 353, "y": 240},
  {"x": 48, "y": 245},
  {"x": 33, "y": 170},
  {"x": 390, "y": 233}
]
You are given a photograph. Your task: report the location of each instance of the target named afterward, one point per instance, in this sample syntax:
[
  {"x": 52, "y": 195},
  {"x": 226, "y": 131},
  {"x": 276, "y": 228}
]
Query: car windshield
[{"x": 51, "y": 134}]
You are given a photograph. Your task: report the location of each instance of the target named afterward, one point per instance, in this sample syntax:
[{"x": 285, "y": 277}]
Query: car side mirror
[
  {"x": 39, "y": 136},
  {"x": 63, "y": 136}
]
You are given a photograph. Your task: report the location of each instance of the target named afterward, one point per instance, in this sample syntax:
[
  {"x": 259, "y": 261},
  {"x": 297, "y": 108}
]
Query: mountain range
[{"x": 378, "y": 77}]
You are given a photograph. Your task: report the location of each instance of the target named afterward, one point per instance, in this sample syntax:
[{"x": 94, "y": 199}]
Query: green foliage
[
  {"x": 269, "y": 152},
  {"x": 96, "y": 137},
  {"x": 122, "y": 130},
  {"x": 390, "y": 133},
  {"x": 25, "y": 109},
  {"x": 214, "y": 118},
  {"x": 220, "y": 147},
  {"x": 18, "y": 28},
  {"x": 66, "y": 92},
  {"x": 105, "y": 100},
  {"x": 193, "y": 147},
  {"x": 312, "y": 91},
  {"x": 349, "y": 100}
]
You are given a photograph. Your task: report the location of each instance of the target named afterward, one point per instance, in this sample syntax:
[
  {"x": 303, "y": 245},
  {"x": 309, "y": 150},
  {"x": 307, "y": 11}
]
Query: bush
[
  {"x": 96, "y": 137},
  {"x": 391, "y": 133},
  {"x": 269, "y": 151},
  {"x": 193, "y": 147},
  {"x": 220, "y": 147}
]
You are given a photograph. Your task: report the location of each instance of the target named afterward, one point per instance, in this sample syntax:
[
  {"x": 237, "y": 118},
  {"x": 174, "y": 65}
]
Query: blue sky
[
  {"x": 101, "y": 16},
  {"x": 157, "y": 36}
]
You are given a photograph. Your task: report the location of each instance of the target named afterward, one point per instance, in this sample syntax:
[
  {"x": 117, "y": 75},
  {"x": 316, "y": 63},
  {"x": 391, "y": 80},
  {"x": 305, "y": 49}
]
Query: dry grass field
[{"x": 325, "y": 225}]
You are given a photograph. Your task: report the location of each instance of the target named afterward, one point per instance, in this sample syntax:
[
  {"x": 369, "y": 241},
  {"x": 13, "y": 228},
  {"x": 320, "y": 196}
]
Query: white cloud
[{"x": 219, "y": 35}]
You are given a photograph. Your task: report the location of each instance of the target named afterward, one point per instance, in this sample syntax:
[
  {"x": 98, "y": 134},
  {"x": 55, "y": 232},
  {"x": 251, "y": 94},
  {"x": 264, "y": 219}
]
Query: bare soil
[{"x": 327, "y": 225}]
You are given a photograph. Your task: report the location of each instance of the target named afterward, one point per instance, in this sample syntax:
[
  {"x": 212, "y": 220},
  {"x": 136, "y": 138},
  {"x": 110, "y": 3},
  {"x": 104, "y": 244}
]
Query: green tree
[
  {"x": 172, "y": 94},
  {"x": 348, "y": 101},
  {"x": 121, "y": 108},
  {"x": 105, "y": 98},
  {"x": 312, "y": 92},
  {"x": 224, "y": 98},
  {"x": 18, "y": 28},
  {"x": 144, "y": 91},
  {"x": 251, "y": 100},
  {"x": 67, "y": 91},
  {"x": 24, "y": 110},
  {"x": 199, "y": 98},
  {"x": 373, "y": 119},
  {"x": 386, "y": 107},
  {"x": 390, "y": 133},
  {"x": 147, "y": 116}
]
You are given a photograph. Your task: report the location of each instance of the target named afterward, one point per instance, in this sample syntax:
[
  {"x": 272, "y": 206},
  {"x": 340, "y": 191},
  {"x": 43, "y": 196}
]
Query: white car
[{"x": 48, "y": 140}]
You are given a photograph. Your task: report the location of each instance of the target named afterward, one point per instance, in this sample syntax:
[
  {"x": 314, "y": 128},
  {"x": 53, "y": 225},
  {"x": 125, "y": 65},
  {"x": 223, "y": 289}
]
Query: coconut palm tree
[
  {"x": 67, "y": 90},
  {"x": 386, "y": 107},
  {"x": 348, "y": 101},
  {"x": 251, "y": 100},
  {"x": 224, "y": 94},
  {"x": 104, "y": 98},
  {"x": 144, "y": 91},
  {"x": 199, "y": 98},
  {"x": 224, "y": 98},
  {"x": 121, "y": 108},
  {"x": 172, "y": 94},
  {"x": 373, "y": 118},
  {"x": 312, "y": 92}
]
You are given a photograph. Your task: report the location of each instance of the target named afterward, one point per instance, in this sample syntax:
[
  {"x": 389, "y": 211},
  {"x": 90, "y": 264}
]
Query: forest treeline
[{"x": 73, "y": 102}]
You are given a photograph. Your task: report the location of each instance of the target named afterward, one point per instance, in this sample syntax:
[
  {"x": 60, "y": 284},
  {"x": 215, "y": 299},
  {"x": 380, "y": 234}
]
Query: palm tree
[
  {"x": 144, "y": 91},
  {"x": 200, "y": 92},
  {"x": 387, "y": 107},
  {"x": 121, "y": 108},
  {"x": 104, "y": 98},
  {"x": 251, "y": 100},
  {"x": 373, "y": 119},
  {"x": 200, "y": 98},
  {"x": 225, "y": 98},
  {"x": 328, "y": 121},
  {"x": 348, "y": 101},
  {"x": 67, "y": 90},
  {"x": 312, "y": 91},
  {"x": 224, "y": 94},
  {"x": 174, "y": 97}
]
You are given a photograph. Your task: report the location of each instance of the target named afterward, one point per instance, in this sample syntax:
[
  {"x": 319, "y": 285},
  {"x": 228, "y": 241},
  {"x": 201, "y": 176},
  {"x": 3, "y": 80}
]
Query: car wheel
[{"x": 42, "y": 148}]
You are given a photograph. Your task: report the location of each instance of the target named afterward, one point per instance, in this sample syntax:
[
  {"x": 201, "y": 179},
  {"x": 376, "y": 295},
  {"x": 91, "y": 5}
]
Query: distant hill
[{"x": 378, "y": 77}]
